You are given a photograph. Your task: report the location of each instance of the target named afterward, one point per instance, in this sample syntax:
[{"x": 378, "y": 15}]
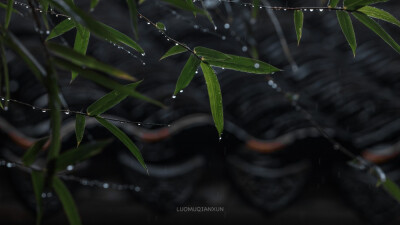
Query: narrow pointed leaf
[
  {"x": 298, "y": 24},
  {"x": 256, "y": 8},
  {"x": 5, "y": 73},
  {"x": 244, "y": 64},
  {"x": 356, "y": 4},
  {"x": 80, "y": 123},
  {"x": 61, "y": 28},
  {"x": 187, "y": 73},
  {"x": 31, "y": 154},
  {"x": 379, "y": 14},
  {"x": 79, "y": 154},
  {"x": 81, "y": 43},
  {"x": 176, "y": 49},
  {"x": 208, "y": 53},
  {"x": 93, "y": 4},
  {"x": 392, "y": 189},
  {"x": 8, "y": 13},
  {"x": 160, "y": 26},
  {"x": 97, "y": 28},
  {"x": 38, "y": 186},
  {"x": 333, "y": 3},
  {"x": 67, "y": 201},
  {"x": 215, "y": 96},
  {"x": 347, "y": 28},
  {"x": 133, "y": 13},
  {"x": 109, "y": 100},
  {"x": 104, "y": 81},
  {"x": 124, "y": 139},
  {"x": 375, "y": 27},
  {"x": 4, "y": 6},
  {"x": 87, "y": 61},
  {"x": 185, "y": 6}
]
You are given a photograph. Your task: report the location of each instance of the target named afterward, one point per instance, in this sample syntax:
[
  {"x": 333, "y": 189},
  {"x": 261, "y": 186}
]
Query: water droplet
[
  {"x": 69, "y": 18},
  {"x": 196, "y": 72},
  {"x": 173, "y": 96},
  {"x": 43, "y": 195},
  {"x": 223, "y": 37},
  {"x": 311, "y": 10},
  {"x": 244, "y": 48},
  {"x": 9, "y": 165},
  {"x": 106, "y": 185},
  {"x": 137, "y": 189},
  {"x": 321, "y": 10},
  {"x": 196, "y": 26},
  {"x": 256, "y": 65},
  {"x": 56, "y": 15},
  {"x": 66, "y": 112},
  {"x": 181, "y": 91},
  {"x": 284, "y": 9},
  {"x": 220, "y": 138},
  {"x": 304, "y": 10},
  {"x": 143, "y": 54},
  {"x": 5, "y": 108},
  {"x": 70, "y": 167},
  {"x": 143, "y": 63},
  {"x": 47, "y": 32},
  {"x": 222, "y": 68},
  {"x": 43, "y": 110},
  {"x": 148, "y": 23},
  {"x": 27, "y": 7},
  {"x": 33, "y": 107},
  {"x": 227, "y": 26},
  {"x": 2, "y": 99},
  {"x": 215, "y": 27},
  {"x": 139, "y": 124}
]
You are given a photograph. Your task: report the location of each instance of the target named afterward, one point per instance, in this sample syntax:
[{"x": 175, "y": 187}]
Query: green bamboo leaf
[
  {"x": 12, "y": 42},
  {"x": 80, "y": 123},
  {"x": 124, "y": 139},
  {"x": 244, "y": 64},
  {"x": 87, "y": 61},
  {"x": 61, "y": 28},
  {"x": 30, "y": 155},
  {"x": 104, "y": 81},
  {"x": 215, "y": 96},
  {"x": 37, "y": 178},
  {"x": 298, "y": 24},
  {"x": 133, "y": 13},
  {"x": 160, "y": 26},
  {"x": 93, "y": 4},
  {"x": 190, "y": 2},
  {"x": 347, "y": 28},
  {"x": 185, "y": 6},
  {"x": 208, "y": 53},
  {"x": 392, "y": 189},
  {"x": 375, "y": 27},
  {"x": 379, "y": 14},
  {"x": 187, "y": 74},
  {"x": 67, "y": 201},
  {"x": 79, "y": 154},
  {"x": 81, "y": 44},
  {"x": 45, "y": 6},
  {"x": 4, "y": 6},
  {"x": 97, "y": 28},
  {"x": 356, "y": 4},
  {"x": 256, "y": 8},
  {"x": 6, "y": 74},
  {"x": 333, "y": 3},
  {"x": 176, "y": 49},
  {"x": 109, "y": 100},
  {"x": 10, "y": 4}
]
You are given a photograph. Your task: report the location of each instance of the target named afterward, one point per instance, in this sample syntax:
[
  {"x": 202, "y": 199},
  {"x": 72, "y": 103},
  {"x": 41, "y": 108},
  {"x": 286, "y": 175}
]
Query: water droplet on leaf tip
[
  {"x": 181, "y": 91},
  {"x": 173, "y": 96}
]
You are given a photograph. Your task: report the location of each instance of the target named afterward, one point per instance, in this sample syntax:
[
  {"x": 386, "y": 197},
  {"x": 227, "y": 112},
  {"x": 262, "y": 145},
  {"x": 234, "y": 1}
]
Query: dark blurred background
[{"x": 271, "y": 165}]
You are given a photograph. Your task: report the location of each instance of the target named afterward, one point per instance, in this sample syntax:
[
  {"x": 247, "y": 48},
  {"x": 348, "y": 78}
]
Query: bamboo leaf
[
  {"x": 187, "y": 73},
  {"x": 298, "y": 24},
  {"x": 124, "y": 139},
  {"x": 133, "y": 13},
  {"x": 244, "y": 64},
  {"x": 87, "y": 61},
  {"x": 30, "y": 155},
  {"x": 8, "y": 13},
  {"x": 67, "y": 201},
  {"x": 109, "y": 100},
  {"x": 215, "y": 96},
  {"x": 38, "y": 186},
  {"x": 80, "y": 124},
  {"x": 356, "y": 4},
  {"x": 6, "y": 74},
  {"x": 81, "y": 44},
  {"x": 375, "y": 27},
  {"x": 347, "y": 28},
  {"x": 160, "y": 26},
  {"x": 104, "y": 81},
  {"x": 4, "y": 6},
  {"x": 176, "y": 49},
  {"x": 256, "y": 8},
  {"x": 93, "y": 4},
  {"x": 79, "y": 154},
  {"x": 185, "y": 6},
  {"x": 61, "y": 28},
  {"x": 379, "y": 14},
  {"x": 208, "y": 53},
  {"x": 392, "y": 189},
  {"x": 97, "y": 28},
  {"x": 333, "y": 3}
]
